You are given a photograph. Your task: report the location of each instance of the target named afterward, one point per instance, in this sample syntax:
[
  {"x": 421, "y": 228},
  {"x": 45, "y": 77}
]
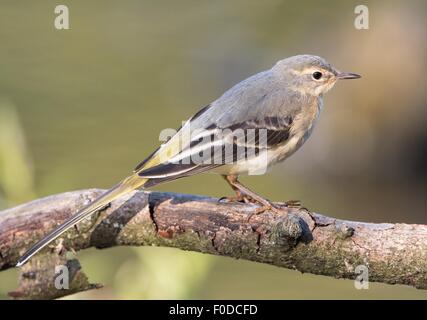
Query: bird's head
[{"x": 309, "y": 74}]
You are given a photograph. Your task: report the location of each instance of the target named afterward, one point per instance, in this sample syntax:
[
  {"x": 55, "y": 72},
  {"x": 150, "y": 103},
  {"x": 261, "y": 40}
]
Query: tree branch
[{"x": 298, "y": 239}]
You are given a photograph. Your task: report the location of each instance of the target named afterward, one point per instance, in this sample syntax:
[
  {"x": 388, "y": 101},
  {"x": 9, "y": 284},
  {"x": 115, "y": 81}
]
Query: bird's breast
[{"x": 302, "y": 127}]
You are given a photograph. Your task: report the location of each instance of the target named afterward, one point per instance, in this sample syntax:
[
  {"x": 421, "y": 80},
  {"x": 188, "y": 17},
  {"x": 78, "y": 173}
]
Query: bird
[{"x": 255, "y": 124}]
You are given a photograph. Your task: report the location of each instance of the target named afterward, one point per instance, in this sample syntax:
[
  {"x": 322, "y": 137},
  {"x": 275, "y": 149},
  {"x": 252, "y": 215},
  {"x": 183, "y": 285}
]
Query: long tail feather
[{"x": 131, "y": 183}]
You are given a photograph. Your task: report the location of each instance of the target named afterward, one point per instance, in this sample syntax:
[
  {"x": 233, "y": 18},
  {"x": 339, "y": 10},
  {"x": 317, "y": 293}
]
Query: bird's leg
[
  {"x": 239, "y": 197},
  {"x": 250, "y": 196}
]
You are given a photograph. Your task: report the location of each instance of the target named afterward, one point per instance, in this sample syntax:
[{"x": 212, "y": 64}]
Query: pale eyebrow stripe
[{"x": 309, "y": 70}]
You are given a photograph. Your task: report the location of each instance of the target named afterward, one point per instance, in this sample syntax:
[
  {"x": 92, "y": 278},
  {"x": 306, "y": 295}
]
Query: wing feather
[{"x": 250, "y": 107}]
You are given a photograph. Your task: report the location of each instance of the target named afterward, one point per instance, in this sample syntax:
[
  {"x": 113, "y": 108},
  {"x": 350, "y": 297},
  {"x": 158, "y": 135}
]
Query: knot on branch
[{"x": 289, "y": 230}]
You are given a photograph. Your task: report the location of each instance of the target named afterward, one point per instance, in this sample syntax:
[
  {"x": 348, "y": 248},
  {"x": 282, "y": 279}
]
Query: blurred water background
[{"x": 80, "y": 108}]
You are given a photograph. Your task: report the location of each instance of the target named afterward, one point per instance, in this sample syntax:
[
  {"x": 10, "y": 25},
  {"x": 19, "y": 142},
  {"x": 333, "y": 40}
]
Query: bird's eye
[{"x": 317, "y": 75}]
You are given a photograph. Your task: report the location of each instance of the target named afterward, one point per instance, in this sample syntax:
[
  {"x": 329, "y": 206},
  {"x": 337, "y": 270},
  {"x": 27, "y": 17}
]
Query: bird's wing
[
  {"x": 247, "y": 119},
  {"x": 163, "y": 162}
]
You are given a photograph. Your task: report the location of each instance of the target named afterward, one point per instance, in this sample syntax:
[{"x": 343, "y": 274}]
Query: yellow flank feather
[{"x": 168, "y": 150}]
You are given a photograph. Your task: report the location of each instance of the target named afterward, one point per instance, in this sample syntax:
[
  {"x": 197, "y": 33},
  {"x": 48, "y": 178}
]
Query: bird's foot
[
  {"x": 239, "y": 197},
  {"x": 230, "y": 199},
  {"x": 266, "y": 207}
]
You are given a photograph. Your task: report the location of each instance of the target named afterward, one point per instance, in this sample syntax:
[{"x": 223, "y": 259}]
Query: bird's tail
[{"x": 129, "y": 184}]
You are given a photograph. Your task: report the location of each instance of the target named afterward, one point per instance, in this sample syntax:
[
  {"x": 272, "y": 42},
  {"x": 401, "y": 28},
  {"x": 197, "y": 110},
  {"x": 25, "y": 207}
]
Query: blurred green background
[{"x": 80, "y": 108}]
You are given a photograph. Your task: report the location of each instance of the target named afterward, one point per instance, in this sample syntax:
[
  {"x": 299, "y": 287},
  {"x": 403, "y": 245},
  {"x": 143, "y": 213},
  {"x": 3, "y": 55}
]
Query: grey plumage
[
  {"x": 283, "y": 100},
  {"x": 278, "y": 107}
]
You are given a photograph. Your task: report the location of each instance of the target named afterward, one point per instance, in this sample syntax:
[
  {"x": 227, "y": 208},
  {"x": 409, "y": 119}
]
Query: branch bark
[{"x": 298, "y": 239}]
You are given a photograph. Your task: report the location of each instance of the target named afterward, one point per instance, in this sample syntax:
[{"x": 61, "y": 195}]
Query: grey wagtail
[{"x": 255, "y": 124}]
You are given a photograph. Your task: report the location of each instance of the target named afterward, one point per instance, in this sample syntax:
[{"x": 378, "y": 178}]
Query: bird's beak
[{"x": 348, "y": 75}]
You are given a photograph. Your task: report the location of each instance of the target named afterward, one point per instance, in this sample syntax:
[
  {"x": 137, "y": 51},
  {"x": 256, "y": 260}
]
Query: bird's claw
[
  {"x": 267, "y": 207},
  {"x": 238, "y": 198}
]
